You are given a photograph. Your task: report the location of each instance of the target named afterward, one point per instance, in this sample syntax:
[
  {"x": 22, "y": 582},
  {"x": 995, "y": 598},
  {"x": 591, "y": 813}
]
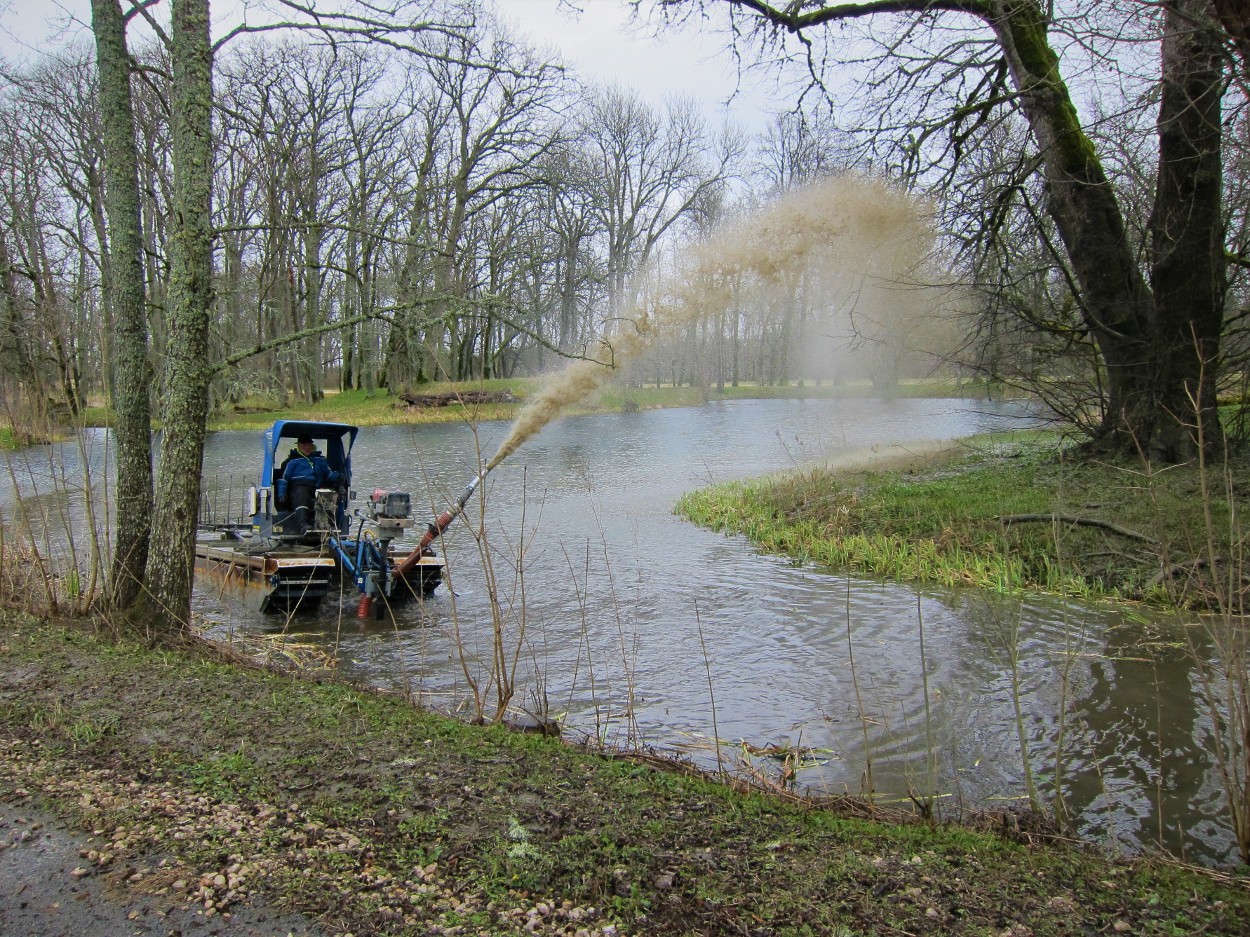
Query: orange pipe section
[{"x": 441, "y": 523}]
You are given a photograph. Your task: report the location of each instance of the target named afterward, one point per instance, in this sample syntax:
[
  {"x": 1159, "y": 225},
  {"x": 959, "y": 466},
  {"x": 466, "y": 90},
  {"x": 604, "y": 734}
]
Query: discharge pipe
[{"x": 441, "y": 523}]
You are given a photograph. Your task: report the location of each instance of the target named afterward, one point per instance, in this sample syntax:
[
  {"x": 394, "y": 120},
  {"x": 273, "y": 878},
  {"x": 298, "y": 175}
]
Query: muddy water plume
[{"x": 859, "y": 240}]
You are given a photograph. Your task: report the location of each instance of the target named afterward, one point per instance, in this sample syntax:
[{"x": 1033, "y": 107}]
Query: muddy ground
[{"x": 48, "y": 889}]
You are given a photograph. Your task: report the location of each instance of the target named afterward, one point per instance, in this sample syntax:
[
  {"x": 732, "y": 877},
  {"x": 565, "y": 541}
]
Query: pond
[{"x": 638, "y": 628}]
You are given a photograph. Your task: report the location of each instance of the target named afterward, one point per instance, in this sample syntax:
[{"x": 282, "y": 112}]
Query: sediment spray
[
  {"x": 855, "y": 235},
  {"x": 860, "y": 239}
]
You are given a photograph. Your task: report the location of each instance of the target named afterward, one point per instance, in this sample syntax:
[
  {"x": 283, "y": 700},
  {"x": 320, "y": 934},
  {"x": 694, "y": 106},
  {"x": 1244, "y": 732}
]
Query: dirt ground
[{"x": 47, "y": 889}]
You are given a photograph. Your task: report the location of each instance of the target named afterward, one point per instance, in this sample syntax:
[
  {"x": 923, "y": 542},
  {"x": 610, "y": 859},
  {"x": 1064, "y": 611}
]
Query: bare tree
[
  {"x": 575, "y": 224},
  {"x": 55, "y": 201},
  {"x": 499, "y": 109},
  {"x": 796, "y": 149},
  {"x": 374, "y": 129},
  {"x": 1156, "y": 325},
  {"x": 23, "y": 290},
  {"x": 793, "y": 151},
  {"x": 649, "y": 170},
  {"x": 406, "y": 359}
]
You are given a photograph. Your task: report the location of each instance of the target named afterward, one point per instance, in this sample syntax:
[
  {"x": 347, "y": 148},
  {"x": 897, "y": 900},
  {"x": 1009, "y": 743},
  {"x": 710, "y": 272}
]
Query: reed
[
  {"x": 1074, "y": 644},
  {"x": 53, "y": 538},
  {"x": 825, "y": 518},
  {"x": 1224, "y": 674},
  {"x": 492, "y": 678},
  {"x": 580, "y": 589},
  {"x": 608, "y": 710},
  {"x": 868, "y": 787},
  {"x": 1171, "y": 536},
  {"x": 711, "y": 693},
  {"x": 627, "y": 641},
  {"x": 1012, "y": 653},
  {"x": 927, "y": 799}
]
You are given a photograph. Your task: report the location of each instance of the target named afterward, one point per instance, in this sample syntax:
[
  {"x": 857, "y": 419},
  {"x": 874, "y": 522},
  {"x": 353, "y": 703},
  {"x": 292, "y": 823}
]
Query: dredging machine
[{"x": 283, "y": 557}]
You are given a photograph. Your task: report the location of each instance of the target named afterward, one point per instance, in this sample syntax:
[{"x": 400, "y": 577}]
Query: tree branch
[
  {"x": 793, "y": 21},
  {"x": 1009, "y": 519},
  {"x": 259, "y": 349}
]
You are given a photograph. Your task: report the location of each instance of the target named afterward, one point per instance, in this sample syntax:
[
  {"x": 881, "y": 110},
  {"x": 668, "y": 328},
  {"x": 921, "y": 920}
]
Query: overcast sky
[
  {"x": 604, "y": 44},
  {"x": 600, "y": 42}
]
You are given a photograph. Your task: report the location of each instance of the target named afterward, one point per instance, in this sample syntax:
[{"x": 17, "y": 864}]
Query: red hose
[
  {"x": 406, "y": 565},
  {"x": 364, "y": 606}
]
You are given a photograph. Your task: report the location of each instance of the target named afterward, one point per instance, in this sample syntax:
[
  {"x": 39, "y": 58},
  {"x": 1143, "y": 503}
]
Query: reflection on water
[
  {"x": 627, "y": 610},
  {"x": 54, "y": 506}
]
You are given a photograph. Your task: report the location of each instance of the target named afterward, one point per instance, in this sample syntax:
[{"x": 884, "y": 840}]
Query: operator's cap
[{"x": 302, "y": 440}]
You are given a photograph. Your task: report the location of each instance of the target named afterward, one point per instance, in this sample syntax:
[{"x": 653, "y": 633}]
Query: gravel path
[{"x": 48, "y": 890}]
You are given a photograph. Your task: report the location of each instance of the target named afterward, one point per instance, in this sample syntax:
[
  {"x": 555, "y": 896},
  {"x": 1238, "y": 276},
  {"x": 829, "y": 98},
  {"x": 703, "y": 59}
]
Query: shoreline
[{"x": 1008, "y": 512}]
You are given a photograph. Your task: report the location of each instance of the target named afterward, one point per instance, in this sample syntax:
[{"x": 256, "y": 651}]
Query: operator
[{"x": 304, "y": 471}]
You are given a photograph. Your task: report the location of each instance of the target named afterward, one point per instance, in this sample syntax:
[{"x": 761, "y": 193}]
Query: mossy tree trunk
[
  {"x": 125, "y": 295},
  {"x": 166, "y": 604},
  {"x": 1159, "y": 341}
]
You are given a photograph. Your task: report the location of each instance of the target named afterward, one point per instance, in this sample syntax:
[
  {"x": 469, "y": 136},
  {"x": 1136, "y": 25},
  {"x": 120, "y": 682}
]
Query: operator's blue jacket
[{"x": 311, "y": 469}]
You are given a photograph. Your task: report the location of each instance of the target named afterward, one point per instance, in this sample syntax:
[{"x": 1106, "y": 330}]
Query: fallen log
[{"x": 451, "y": 397}]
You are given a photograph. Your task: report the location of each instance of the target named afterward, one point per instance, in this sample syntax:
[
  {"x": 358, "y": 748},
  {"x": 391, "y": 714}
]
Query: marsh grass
[{"x": 993, "y": 516}]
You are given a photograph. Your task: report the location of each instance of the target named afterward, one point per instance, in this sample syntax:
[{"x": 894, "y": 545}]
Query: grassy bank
[
  {"x": 382, "y": 407},
  {"x": 210, "y": 783},
  {"x": 372, "y": 409},
  {"x": 1007, "y": 513}
]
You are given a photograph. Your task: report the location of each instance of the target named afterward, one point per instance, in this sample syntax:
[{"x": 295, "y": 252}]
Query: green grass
[
  {"x": 355, "y": 808},
  {"x": 943, "y": 524},
  {"x": 11, "y": 438},
  {"x": 363, "y": 408}
]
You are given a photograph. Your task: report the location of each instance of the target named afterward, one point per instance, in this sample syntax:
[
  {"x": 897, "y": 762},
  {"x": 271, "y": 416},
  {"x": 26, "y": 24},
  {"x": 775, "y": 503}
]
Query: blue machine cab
[{"x": 301, "y": 540}]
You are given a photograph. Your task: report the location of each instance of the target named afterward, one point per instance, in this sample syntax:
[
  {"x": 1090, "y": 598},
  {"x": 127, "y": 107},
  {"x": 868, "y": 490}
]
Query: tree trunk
[
  {"x": 1187, "y": 237},
  {"x": 187, "y": 374},
  {"x": 352, "y": 304},
  {"x": 311, "y": 359},
  {"x": 125, "y": 296},
  {"x": 1155, "y": 351}
]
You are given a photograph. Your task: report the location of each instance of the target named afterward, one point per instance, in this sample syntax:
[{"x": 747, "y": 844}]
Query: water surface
[
  {"x": 635, "y": 626},
  {"x": 641, "y": 627}
]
